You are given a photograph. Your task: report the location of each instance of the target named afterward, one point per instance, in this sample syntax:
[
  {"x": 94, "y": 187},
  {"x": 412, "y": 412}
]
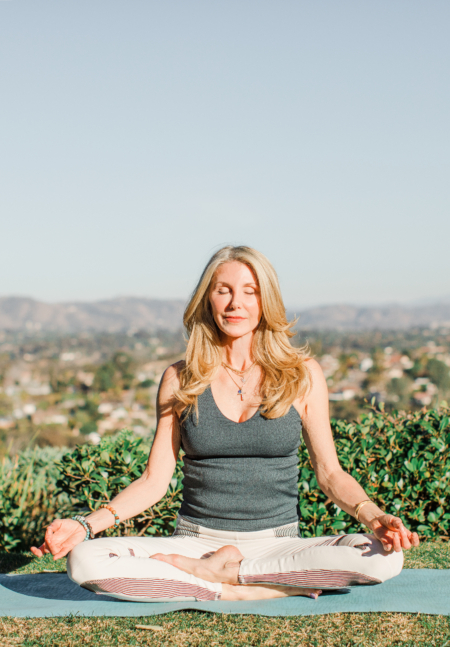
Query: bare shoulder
[
  {"x": 315, "y": 371},
  {"x": 318, "y": 388},
  {"x": 170, "y": 380}
]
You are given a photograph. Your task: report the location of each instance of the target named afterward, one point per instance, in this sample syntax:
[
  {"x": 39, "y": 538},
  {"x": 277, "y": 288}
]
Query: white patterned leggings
[{"x": 120, "y": 566}]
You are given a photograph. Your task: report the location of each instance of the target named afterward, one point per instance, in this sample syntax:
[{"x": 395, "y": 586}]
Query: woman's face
[{"x": 235, "y": 299}]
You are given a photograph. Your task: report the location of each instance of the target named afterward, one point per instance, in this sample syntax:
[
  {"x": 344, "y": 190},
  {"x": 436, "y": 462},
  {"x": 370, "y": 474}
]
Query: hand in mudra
[
  {"x": 393, "y": 534},
  {"x": 60, "y": 537}
]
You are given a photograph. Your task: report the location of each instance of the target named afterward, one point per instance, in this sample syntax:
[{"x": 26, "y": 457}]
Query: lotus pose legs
[{"x": 223, "y": 566}]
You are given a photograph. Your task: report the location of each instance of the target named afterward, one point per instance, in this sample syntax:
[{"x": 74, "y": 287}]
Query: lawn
[{"x": 195, "y": 629}]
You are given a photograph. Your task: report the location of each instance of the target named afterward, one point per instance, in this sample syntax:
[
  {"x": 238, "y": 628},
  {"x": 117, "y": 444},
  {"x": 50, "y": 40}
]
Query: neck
[{"x": 237, "y": 352}]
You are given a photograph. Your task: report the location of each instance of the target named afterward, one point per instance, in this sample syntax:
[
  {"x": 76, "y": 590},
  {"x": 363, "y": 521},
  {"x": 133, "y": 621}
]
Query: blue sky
[{"x": 138, "y": 137}]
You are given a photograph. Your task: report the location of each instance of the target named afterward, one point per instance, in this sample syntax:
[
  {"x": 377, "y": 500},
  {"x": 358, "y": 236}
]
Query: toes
[
  {"x": 164, "y": 558},
  {"x": 229, "y": 554},
  {"x": 315, "y": 594}
]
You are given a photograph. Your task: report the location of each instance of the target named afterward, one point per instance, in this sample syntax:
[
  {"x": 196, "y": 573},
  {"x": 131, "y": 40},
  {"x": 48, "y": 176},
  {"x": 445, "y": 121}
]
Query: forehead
[{"x": 234, "y": 272}]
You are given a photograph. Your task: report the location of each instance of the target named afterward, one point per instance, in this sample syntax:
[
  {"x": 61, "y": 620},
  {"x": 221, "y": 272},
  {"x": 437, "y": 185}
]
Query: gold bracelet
[{"x": 359, "y": 506}]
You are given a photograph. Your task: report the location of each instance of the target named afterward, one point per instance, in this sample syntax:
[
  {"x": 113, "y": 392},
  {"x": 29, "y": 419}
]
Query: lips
[{"x": 236, "y": 319}]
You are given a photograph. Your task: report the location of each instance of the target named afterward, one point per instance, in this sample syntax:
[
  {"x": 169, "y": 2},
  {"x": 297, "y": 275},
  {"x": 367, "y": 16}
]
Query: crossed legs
[
  {"x": 299, "y": 567},
  {"x": 204, "y": 568},
  {"x": 223, "y": 567}
]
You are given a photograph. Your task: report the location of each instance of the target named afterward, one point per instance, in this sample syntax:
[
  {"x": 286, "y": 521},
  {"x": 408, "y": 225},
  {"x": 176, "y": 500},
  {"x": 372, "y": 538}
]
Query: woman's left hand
[{"x": 393, "y": 534}]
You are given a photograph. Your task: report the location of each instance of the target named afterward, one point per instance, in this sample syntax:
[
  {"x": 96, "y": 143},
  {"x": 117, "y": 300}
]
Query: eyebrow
[{"x": 246, "y": 285}]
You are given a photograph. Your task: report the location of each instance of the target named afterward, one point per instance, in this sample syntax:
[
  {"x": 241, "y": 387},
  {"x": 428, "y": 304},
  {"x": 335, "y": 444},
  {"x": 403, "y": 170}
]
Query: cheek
[
  {"x": 218, "y": 304},
  {"x": 254, "y": 309}
]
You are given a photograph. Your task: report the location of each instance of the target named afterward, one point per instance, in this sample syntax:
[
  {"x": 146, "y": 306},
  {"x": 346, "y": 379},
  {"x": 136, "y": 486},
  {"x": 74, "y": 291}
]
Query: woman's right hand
[{"x": 60, "y": 537}]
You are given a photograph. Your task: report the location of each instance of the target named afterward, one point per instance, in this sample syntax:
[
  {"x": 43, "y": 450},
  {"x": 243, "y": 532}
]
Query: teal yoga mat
[{"x": 53, "y": 594}]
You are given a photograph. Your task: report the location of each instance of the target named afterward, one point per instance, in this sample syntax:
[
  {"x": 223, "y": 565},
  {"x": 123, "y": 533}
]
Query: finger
[
  {"x": 401, "y": 538},
  {"x": 405, "y": 538},
  {"x": 49, "y": 538},
  {"x": 48, "y": 535},
  {"x": 63, "y": 550},
  {"x": 395, "y": 523},
  {"x": 50, "y": 531},
  {"x": 409, "y": 538},
  {"x": 386, "y": 543},
  {"x": 413, "y": 537},
  {"x": 41, "y": 551},
  {"x": 396, "y": 542}
]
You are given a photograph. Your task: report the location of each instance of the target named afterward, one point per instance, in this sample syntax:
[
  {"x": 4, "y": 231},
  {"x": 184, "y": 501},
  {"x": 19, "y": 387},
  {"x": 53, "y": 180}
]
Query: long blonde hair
[{"x": 285, "y": 376}]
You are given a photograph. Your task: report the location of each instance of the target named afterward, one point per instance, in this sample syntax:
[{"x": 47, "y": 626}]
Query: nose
[{"x": 234, "y": 302}]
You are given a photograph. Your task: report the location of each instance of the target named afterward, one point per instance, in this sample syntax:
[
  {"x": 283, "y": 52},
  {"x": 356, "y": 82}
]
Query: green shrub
[
  {"x": 94, "y": 474},
  {"x": 402, "y": 461},
  {"x": 28, "y": 498}
]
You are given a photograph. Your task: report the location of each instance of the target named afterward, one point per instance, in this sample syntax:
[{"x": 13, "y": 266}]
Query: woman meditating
[{"x": 237, "y": 406}]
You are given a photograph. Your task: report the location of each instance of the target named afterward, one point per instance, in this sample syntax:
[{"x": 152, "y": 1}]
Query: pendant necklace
[{"x": 241, "y": 391}]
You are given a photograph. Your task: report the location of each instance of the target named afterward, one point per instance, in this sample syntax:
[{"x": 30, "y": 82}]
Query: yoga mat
[{"x": 52, "y": 594}]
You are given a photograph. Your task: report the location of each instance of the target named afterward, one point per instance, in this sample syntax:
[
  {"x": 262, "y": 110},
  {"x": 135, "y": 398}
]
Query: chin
[{"x": 236, "y": 331}]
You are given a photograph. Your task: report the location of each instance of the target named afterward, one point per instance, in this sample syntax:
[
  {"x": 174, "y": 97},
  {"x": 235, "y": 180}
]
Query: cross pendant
[{"x": 241, "y": 393}]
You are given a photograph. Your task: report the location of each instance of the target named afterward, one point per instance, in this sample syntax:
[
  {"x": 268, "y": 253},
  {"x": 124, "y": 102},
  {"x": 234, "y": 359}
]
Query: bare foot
[
  {"x": 265, "y": 592},
  {"x": 222, "y": 566}
]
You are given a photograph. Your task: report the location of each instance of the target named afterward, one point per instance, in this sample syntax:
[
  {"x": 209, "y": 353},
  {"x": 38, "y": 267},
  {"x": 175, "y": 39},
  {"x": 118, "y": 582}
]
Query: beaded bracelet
[
  {"x": 86, "y": 525},
  {"x": 116, "y": 516}
]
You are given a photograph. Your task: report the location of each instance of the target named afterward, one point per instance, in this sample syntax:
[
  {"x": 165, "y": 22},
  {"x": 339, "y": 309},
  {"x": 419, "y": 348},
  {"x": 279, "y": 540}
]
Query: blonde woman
[{"x": 237, "y": 407}]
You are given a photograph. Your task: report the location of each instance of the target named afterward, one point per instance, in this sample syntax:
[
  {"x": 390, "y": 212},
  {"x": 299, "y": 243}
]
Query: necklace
[
  {"x": 241, "y": 391},
  {"x": 236, "y": 370}
]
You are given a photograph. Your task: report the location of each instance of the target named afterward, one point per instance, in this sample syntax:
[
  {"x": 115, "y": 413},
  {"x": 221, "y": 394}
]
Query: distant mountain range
[
  {"x": 135, "y": 313},
  {"x": 111, "y": 315},
  {"x": 386, "y": 317}
]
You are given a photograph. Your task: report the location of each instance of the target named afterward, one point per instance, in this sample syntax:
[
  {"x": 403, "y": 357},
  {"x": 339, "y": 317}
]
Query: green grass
[{"x": 195, "y": 629}]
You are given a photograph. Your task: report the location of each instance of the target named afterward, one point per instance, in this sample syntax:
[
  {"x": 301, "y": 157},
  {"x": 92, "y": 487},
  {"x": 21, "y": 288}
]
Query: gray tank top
[{"x": 239, "y": 476}]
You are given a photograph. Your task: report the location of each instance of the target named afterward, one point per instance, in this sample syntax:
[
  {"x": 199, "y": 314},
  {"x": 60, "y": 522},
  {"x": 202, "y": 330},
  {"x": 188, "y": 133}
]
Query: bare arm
[
  {"x": 338, "y": 485},
  {"x": 149, "y": 488},
  {"x": 63, "y": 534}
]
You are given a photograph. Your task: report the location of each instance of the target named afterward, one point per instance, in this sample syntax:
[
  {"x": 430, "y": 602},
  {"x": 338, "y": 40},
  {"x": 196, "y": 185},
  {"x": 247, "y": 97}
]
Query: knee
[
  {"x": 396, "y": 563},
  {"x": 385, "y": 565},
  {"x": 373, "y": 560},
  {"x": 80, "y": 561}
]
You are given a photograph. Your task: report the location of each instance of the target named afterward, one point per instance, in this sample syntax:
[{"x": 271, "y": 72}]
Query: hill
[
  {"x": 136, "y": 313},
  {"x": 388, "y": 317},
  {"x": 111, "y": 315}
]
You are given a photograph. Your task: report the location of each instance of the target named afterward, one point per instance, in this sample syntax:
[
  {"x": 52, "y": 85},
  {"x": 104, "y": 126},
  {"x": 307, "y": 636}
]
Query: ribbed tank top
[{"x": 240, "y": 476}]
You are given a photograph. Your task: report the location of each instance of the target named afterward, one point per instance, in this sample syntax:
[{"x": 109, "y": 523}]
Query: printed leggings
[{"x": 120, "y": 566}]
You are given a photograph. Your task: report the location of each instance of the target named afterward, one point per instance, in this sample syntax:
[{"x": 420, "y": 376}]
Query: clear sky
[{"x": 138, "y": 137}]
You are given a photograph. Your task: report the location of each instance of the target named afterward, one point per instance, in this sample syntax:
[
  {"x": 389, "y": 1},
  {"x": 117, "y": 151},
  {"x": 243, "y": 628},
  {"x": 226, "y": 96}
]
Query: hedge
[
  {"x": 401, "y": 459},
  {"x": 29, "y": 499}
]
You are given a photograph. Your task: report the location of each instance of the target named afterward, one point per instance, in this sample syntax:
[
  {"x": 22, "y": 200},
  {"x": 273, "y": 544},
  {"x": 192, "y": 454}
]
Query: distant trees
[
  {"x": 118, "y": 372},
  {"x": 400, "y": 388},
  {"x": 104, "y": 378},
  {"x": 439, "y": 374}
]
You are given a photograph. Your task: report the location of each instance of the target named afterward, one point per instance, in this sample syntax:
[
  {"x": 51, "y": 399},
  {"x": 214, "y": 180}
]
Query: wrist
[
  {"x": 103, "y": 518},
  {"x": 100, "y": 520},
  {"x": 369, "y": 513},
  {"x": 86, "y": 525}
]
